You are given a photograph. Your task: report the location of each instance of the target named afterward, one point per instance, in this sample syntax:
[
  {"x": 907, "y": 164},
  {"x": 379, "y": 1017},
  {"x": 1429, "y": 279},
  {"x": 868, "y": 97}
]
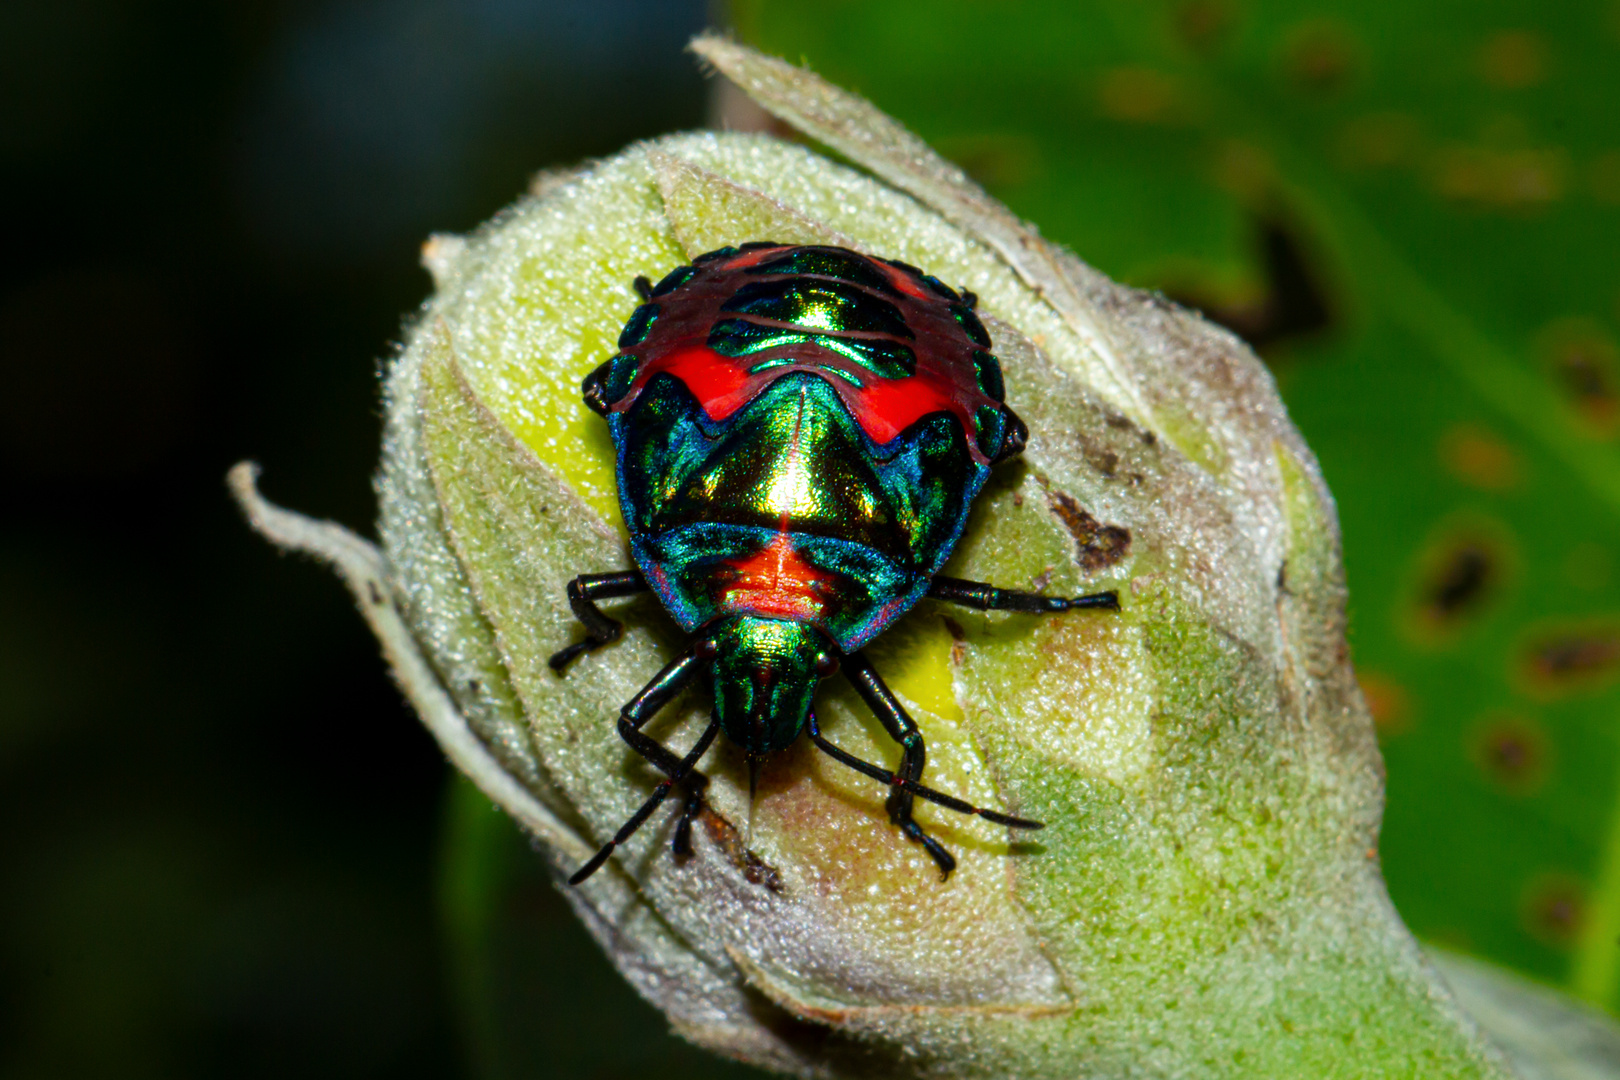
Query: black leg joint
[{"x": 583, "y": 593}]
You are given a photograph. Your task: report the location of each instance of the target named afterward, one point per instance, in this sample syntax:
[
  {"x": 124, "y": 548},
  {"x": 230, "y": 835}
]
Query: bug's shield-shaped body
[{"x": 801, "y": 432}]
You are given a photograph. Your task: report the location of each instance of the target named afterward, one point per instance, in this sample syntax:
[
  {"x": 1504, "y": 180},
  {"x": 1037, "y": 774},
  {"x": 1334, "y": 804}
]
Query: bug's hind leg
[
  {"x": 583, "y": 592},
  {"x": 678, "y": 771},
  {"x": 978, "y": 595},
  {"x": 643, "y": 287}
]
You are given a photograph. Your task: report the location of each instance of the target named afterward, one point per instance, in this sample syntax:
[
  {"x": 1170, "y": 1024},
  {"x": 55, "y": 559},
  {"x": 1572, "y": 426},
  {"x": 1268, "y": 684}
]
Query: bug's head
[{"x": 765, "y": 676}]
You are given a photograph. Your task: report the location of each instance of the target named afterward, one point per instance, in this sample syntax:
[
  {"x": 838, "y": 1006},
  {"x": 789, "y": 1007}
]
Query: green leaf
[{"x": 1449, "y": 174}]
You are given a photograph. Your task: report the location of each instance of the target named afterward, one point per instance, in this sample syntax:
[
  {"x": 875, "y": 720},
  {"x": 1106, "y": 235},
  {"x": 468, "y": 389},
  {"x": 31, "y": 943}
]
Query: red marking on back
[
  {"x": 720, "y": 384},
  {"x": 886, "y": 407},
  {"x": 776, "y": 581},
  {"x": 945, "y": 379},
  {"x": 883, "y": 407}
]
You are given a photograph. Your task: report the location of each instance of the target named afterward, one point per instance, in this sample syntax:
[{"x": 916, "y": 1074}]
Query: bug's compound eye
[
  {"x": 1016, "y": 438},
  {"x": 826, "y": 664}
]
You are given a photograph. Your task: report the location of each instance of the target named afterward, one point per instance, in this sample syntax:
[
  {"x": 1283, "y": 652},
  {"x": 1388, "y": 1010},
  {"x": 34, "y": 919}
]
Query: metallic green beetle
[{"x": 801, "y": 432}]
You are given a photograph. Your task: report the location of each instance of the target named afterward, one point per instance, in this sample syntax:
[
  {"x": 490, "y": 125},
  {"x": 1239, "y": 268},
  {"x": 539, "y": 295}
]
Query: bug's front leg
[
  {"x": 583, "y": 592},
  {"x": 678, "y": 771},
  {"x": 982, "y": 597}
]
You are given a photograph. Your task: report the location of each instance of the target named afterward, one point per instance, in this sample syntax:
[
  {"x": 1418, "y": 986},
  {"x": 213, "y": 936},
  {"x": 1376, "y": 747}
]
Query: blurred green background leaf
[{"x": 1414, "y": 211}]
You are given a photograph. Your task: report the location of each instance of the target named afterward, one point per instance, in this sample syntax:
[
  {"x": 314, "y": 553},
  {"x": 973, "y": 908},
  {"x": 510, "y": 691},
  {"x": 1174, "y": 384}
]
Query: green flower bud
[{"x": 1205, "y": 899}]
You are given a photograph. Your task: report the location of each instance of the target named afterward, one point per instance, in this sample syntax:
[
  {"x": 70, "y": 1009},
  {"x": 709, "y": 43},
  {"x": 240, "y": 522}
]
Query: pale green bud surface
[{"x": 1205, "y": 900}]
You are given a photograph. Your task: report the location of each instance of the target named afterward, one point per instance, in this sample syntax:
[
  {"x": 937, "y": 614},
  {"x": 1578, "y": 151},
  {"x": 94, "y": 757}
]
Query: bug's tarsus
[
  {"x": 905, "y": 783},
  {"x": 983, "y": 597},
  {"x": 600, "y": 630},
  {"x": 678, "y": 771},
  {"x": 913, "y": 755},
  {"x": 939, "y": 798},
  {"x": 971, "y": 299},
  {"x": 643, "y": 286}
]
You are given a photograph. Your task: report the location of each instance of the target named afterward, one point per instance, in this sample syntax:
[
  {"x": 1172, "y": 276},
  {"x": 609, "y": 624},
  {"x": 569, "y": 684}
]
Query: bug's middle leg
[
  {"x": 583, "y": 593},
  {"x": 983, "y": 597},
  {"x": 913, "y": 756}
]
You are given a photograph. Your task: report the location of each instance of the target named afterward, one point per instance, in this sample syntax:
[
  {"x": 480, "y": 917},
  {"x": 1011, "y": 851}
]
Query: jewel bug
[{"x": 800, "y": 433}]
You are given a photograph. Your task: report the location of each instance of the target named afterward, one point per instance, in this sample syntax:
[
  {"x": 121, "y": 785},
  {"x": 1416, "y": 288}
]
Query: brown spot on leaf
[
  {"x": 1290, "y": 303},
  {"x": 1521, "y": 178},
  {"x": 1137, "y": 95},
  {"x": 1097, "y": 546},
  {"x": 1460, "y": 583},
  {"x": 755, "y": 871},
  {"x": 1387, "y": 700},
  {"x": 1203, "y": 23},
  {"x": 1577, "y": 656},
  {"x": 1478, "y": 457},
  {"x": 1583, "y": 360},
  {"x": 1513, "y": 59},
  {"x": 1459, "y": 575},
  {"x": 1554, "y": 909},
  {"x": 1321, "y": 57},
  {"x": 1512, "y": 752}
]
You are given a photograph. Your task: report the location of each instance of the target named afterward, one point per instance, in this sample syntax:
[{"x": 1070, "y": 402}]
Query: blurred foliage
[{"x": 1413, "y": 210}]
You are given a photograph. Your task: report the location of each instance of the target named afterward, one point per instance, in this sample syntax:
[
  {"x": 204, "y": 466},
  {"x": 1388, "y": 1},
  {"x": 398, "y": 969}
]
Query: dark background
[{"x": 218, "y": 823}]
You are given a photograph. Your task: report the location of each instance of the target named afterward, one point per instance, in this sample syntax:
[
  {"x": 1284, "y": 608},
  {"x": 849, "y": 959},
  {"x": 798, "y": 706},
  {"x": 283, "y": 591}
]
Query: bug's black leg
[
  {"x": 976, "y": 594},
  {"x": 643, "y": 287},
  {"x": 970, "y": 299},
  {"x": 677, "y": 770},
  {"x": 939, "y": 798},
  {"x": 903, "y": 730},
  {"x": 583, "y": 592}
]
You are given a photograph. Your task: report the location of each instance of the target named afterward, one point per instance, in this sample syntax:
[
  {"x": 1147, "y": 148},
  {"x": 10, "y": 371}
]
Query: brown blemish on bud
[
  {"x": 1554, "y": 909},
  {"x": 1479, "y": 458},
  {"x": 1512, "y": 752},
  {"x": 1572, "y": 657},
  {"x": 1098, "y": 546},
  {"x": 755, "y": 870}
]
